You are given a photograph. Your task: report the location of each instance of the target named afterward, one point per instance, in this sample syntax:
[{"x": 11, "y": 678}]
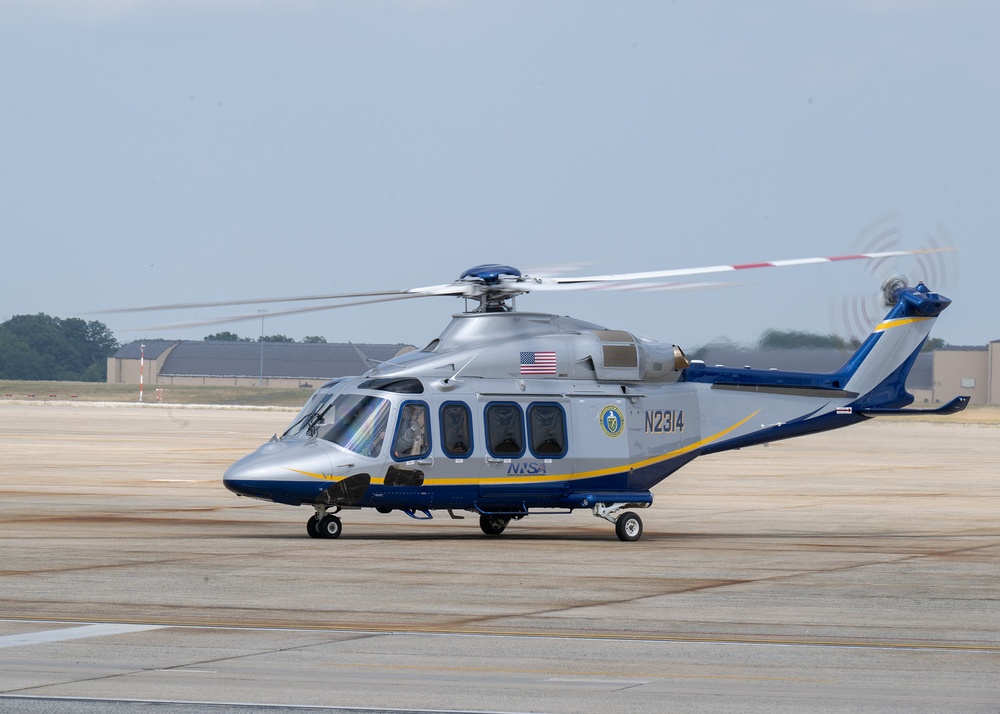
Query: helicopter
[{"x": 509, "y": 414}]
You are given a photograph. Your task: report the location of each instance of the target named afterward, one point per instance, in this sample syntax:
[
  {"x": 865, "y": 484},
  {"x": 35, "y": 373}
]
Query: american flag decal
[{"x": 538, "y": 363}]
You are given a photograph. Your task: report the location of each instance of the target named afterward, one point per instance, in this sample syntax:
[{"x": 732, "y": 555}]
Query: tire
[
  {"x": 312, "y": 527},
  {"x": 493, "y": 525},
  {"x": 330, "y": 527},
  {"x": 628, "y": 527}
]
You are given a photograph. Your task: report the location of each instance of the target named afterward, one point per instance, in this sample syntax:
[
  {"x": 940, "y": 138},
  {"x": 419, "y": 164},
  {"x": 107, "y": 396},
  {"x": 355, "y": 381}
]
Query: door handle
[{"x": 429, "y": 461}]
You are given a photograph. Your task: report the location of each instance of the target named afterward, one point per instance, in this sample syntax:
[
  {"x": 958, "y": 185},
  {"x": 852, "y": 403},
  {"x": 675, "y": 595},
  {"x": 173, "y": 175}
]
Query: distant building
[
  {"x": 974, "y": 371},
  {"x": 285, "y": 364}
]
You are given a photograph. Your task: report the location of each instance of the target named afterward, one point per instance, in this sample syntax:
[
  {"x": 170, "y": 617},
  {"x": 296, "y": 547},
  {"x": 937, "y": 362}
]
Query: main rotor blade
[
  {"x": 617, "y": 281},
  {"x": 680, "y": 272},
  {"x": 429, "y": 290},
  {"x": 629, "y": 285},
  {"x": 270, "y": 313}
]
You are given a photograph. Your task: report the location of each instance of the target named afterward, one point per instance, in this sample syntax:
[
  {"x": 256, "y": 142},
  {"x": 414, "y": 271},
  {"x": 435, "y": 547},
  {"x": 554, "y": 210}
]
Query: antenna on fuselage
[
  {"x": 369, "y": 362},
  {"x": 452, "y": 378}
]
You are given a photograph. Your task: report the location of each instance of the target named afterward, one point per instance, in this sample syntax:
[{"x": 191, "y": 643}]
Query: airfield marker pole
[
  {"x": 262, "y": 313},
  {"x": 142, "y": 361}
]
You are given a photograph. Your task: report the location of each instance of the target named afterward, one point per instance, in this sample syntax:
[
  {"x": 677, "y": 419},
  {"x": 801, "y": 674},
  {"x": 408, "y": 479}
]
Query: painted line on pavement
[{"x": 73, "y": 633}]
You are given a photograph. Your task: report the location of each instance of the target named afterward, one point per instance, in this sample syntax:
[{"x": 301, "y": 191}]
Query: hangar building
[
  {"x": 273, "y": 364},
  {"x": 968, "y": 370}
]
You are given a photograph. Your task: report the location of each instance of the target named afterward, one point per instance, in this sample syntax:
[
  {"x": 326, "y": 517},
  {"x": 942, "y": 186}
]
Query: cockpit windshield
[
  {"x": 356, "y": 422},
  {"x": 307, "y": 418}
]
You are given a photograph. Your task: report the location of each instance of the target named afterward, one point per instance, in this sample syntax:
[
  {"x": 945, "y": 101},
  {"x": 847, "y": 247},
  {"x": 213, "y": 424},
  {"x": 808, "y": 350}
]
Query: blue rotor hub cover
[{"x": 490, "y": 273}]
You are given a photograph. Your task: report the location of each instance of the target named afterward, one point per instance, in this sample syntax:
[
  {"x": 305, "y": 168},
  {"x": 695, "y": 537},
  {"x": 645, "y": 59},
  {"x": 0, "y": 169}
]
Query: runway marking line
[
  {"x": 245, "y": 705},
  {"x": 581, "y": 676},
  {"x": 527, "y": 634},
  {"x": 75, "y": 633}
]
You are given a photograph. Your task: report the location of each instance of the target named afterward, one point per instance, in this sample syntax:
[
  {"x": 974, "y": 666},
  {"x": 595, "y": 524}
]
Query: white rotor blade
[
  {"x": 456, "y": 289},
  {"x": 269, "y": 313},
  {"x": 253, "y": 301},
  {"x": 680, "y": 272},
  {"x": 627, "y": 285},
  {"x": 472, "y": 289}
]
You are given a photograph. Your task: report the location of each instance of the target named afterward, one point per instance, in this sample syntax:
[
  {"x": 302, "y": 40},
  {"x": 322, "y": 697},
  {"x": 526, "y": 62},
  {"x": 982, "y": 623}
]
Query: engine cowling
[{"x": 620, "y": 355}]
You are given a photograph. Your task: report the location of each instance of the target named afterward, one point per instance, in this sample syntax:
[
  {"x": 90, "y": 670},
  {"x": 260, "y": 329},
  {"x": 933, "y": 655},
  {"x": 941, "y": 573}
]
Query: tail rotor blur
[{"x": 935, "y": 263}]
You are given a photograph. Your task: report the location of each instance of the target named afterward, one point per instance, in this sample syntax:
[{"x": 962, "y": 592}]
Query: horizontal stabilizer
[{"x": 954, "y": 406}]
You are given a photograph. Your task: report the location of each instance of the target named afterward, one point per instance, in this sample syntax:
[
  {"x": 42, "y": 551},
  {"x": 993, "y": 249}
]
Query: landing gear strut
[{"x": 628, "y": 525}]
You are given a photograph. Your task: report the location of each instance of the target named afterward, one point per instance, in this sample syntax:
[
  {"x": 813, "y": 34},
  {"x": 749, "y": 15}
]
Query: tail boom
[{"x": 789, "y": 404}]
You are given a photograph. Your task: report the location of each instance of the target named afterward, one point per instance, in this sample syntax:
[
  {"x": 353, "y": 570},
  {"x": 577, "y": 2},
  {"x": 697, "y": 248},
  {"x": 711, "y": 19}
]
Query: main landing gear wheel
[
  {"x": 312, "y": 527},
  {"x": 493, "y": 525},
  {"x": 628, "y": 526},
  {"x": 329, "y": 527}
]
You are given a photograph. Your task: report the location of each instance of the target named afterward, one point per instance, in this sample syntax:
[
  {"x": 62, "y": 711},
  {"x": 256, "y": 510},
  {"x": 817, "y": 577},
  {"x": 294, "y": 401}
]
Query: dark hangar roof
[
  {"x": 153, "y": 350},
  {"x": 281, "y": 359}
]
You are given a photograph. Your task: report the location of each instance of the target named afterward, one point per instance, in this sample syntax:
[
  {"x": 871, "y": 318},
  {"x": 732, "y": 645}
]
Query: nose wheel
[{"x": 324, "y": 526}]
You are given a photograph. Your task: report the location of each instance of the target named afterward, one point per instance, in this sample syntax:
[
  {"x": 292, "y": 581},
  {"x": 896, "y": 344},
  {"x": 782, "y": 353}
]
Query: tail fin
[{"x": 877, "y": 371}]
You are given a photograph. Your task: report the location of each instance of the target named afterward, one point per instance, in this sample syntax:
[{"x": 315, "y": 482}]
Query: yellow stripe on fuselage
[{"x": 550, "y": 478}]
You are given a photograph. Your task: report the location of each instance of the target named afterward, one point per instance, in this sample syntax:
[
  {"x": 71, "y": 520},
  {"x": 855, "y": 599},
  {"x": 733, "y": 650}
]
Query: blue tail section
[
  {"x": 877, "y": 371},
  {"x": 875, "y": 375},
  {"x": 744, "y": 407}
]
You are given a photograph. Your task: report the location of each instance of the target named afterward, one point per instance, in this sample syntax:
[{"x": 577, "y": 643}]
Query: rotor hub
[
  {"x": 493, "y": 285},
  {"x": 490, "y": 273},
  {"x": 891, "y": 288}
]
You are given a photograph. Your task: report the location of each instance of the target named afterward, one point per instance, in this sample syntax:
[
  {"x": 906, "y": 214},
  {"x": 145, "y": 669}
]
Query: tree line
[
  {"x": 799, "y": 340},
  {"x": 45, "y": 348},
  {"x": 233, "y": 337},
  {"x": 41, "y": 347}
]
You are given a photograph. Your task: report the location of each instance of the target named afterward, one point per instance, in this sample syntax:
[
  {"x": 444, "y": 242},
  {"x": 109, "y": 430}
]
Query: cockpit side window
[
  {"x": 456, "y": 430},
  {"x": 413, "y": 437},
  {"x": 504, "y": 430},
  {"x": 356, "y": 422}
]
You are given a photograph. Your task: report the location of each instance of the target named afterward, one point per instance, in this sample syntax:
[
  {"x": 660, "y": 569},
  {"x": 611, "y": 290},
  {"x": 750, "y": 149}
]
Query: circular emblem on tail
[{"x": 612, "y": 421}]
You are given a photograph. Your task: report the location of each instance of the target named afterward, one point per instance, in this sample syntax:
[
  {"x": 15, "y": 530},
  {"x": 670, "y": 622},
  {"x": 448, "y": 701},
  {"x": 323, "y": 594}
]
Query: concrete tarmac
[{"x": 853, "y": 570}]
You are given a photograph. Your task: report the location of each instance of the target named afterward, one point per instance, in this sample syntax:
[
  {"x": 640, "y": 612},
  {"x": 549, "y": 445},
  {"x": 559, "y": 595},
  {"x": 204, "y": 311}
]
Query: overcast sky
[{"x": 159, "y": 151}]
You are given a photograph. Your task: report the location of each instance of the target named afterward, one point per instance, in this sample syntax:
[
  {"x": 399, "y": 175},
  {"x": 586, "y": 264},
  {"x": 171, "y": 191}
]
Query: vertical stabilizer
[{"x": 878, "y": 370}]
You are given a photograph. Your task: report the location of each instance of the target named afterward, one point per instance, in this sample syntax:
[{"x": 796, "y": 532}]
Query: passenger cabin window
[
  {"x": 547, "y": 430},
  {"x": 413, "y": 440},
  {"x": 456, "y": 430},
  {"x": 505, "y": 430}
]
